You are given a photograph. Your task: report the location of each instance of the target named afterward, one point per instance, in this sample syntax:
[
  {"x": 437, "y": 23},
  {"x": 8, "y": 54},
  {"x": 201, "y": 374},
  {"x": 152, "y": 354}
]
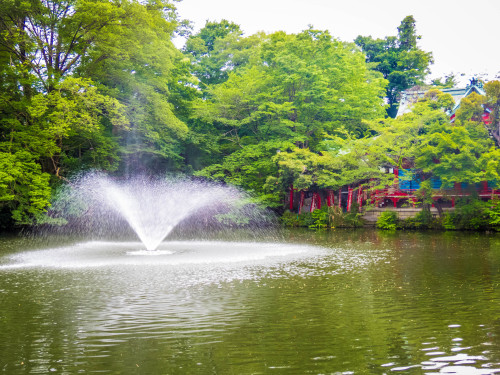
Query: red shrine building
[{"x": 400, "y": 195}]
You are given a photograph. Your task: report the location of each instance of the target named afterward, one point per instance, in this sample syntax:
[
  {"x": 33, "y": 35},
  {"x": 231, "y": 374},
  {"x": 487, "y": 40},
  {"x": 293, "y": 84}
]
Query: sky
[{"x": 463, "y": 35}]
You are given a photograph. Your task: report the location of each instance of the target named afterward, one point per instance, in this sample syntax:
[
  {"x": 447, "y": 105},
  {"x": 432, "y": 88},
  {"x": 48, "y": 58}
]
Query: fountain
[
  {"x": 178, "y": 221},
  {"x": 154, "y": 207}
]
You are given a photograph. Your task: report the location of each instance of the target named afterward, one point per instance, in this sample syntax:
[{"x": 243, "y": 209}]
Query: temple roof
[{"x": 410, "y": 96}]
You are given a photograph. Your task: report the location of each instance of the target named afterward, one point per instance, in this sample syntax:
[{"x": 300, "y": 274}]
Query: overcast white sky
[{"x": 464, "y": 35}]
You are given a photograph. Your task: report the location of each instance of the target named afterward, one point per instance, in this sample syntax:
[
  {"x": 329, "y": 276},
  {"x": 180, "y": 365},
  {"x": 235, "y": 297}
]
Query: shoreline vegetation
[
  {"x": 94, "y": 85},
  {"x": 469, "y": 215}
]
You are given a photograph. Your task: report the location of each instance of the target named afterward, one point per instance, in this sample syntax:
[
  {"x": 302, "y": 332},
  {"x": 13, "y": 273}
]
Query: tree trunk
[{"x": 439, "y": 209}]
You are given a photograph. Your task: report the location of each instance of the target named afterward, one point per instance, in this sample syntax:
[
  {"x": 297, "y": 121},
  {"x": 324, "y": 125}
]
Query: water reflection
[{"x": 353, "y": 302}]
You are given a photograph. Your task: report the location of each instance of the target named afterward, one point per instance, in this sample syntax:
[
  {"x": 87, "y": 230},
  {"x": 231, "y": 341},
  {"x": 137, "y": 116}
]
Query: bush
[
  {"x": 494, "y": 214},
  {"x": 422, "y": 220},
  {"x": 340, "y": 219},
  {"x": 471, "y": 214},
  {"x": 320, "y": 218},
  {"x": 387, "y": 220},
  {"x": 291, "y": 219},
  {"x": 325, "y": 217},
  {"x": 448, "y": 223}
]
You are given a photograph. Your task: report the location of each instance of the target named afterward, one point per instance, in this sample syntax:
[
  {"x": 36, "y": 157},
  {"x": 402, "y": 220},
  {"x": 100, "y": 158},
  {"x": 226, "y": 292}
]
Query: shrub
[
  {"x": 448, "y": 223},
  {"x": 305, "y": 219},
  {"x": 340, "y": 219},
  {"x": 493, "y": 213},
  {"x": 471, "y": 214},
  {"x": 424, "y": 219},
  {"x": 289, "y": 219},
  {"x": 292, "y": 219},
  {"x": 387, "y": 220},
  {"x": 320, "y": 218}
]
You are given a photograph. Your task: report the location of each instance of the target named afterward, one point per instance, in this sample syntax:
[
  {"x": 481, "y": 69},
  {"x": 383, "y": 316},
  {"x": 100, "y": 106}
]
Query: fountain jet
[{"x": 152, "y": 207}]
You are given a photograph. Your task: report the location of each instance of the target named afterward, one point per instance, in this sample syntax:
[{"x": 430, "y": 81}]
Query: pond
[{"x": 341, "y": 301}]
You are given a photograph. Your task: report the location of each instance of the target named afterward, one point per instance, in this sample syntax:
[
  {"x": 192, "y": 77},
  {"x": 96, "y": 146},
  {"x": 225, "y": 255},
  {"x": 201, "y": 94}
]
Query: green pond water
[{"x": 337, "y": 302}]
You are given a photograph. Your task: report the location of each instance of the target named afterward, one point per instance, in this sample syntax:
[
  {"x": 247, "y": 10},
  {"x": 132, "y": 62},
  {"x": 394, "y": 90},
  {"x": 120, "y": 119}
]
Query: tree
[
  {"x": 24, "y": 188},
  {"x": 454, "y": 152},
  {"x": 399, "y": 59},
  {"x": 206, "y": 51},
  {"x": 449, "y": 82},
  {"x": 493, "y": 103},
  {"x": 297, "y": 91},
  {"x": 52, "y": 117}
]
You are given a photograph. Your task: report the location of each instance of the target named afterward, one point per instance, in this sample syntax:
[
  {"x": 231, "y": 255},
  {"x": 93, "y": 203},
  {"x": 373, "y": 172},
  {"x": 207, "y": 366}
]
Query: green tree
[
  {"x": 53, "y": 118},
  {"x": 449, "y": 82},
  {"x": 24, "y": 188},
  {"x": 399, "y": 59},
  {"x": 299, "y": 90},
  {"x": 206, "y": 50},
  {"x": 139, "y": 65},
  {"x": 454, "y": 152},
  {"x": 492, "y": 100}
]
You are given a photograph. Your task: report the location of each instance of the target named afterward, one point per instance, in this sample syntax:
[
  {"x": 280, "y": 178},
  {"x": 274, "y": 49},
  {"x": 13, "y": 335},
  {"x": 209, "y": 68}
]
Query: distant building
[{"x": 411, "y": 96}]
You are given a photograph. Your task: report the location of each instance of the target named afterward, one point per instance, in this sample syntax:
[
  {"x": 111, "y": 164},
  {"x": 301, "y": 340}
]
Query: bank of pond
[{"x": 468, "y": 214}]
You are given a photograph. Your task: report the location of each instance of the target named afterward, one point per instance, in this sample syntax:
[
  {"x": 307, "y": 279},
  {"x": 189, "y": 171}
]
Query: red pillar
[
  {"x": 360, "y": 197},
  {"x": 330, "y": 198},
  {"x": 395, "y": 201},
  {"x": 485, "y": 186},
  {"x": 315, "y": 202},
  {"x": 452, "y": 201},
  {"x": 349, "y": 199},
  {"x": 291, "y": 197}
]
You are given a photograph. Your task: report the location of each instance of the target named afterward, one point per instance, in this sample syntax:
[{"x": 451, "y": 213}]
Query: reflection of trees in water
[{"x": 424, "y": 291}]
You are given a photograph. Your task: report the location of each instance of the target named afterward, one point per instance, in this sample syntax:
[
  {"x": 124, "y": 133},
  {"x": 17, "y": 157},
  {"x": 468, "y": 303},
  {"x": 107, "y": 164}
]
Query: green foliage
[
  {"x": 469, "y": 214},
  {"x": 24, "y": 188},
  {"x": 54, "y": 121},
  {"x": 448, "y": 223},
  {"x": 320, "y": 218},
  {"x": 387, "y": 220},
  {"x": 399, "y": 59},
  {"x": 93, "y": 84},
  {"x": 422, "y": 220},
  {"x": 326, "y": 217},
  {"x": 492, "y": 100},
  {"x": 273, "y": 114},
  {"x": 449, "y": 82},
  {"x": 340, "y": 219},
  {"x": 493, "y": 212},
  {"x": 211, "y": 49},
  {"x": 289, "y": 219},
  {"x": 453, "y": 152},
  {"x": 292, "y": 219}
]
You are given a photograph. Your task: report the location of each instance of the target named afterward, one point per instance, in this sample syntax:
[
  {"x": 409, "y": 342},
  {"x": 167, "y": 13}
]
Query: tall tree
[
  {"x": 139, "y": 65},
  {"x": 399, "y": 59},
  {"x": 53, "y": 120},
  {"x": 492, "y": 100},
  {"x": 300, "y": 89},
  {"x": 205, "y": 50}
]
